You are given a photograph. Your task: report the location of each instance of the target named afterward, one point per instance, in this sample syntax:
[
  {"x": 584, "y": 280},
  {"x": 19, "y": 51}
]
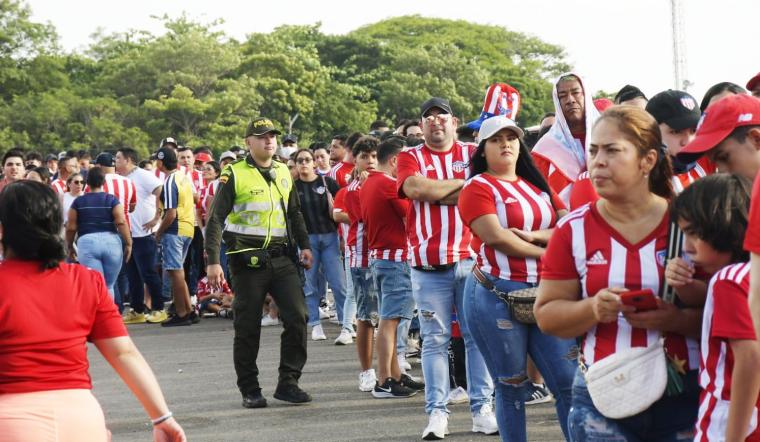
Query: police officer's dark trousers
[{"x": 278, "y": 277}]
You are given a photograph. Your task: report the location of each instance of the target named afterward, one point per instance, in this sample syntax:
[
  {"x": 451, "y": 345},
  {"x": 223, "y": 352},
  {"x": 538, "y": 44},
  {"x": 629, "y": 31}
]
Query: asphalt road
[{"x": 194, "y": 368}]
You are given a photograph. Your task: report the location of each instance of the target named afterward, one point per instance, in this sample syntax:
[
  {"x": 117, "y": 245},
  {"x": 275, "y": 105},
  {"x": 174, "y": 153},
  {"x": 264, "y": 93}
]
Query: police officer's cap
[{"x": 261, "y": 126}]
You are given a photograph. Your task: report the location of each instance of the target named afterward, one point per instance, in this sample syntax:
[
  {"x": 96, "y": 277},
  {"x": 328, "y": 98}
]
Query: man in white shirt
[{"x": 141, "y": 268}]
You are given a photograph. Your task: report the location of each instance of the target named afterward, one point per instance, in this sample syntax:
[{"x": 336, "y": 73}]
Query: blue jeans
[
  {"x": 327, "y": 267},
  {"x": 324, "y": 250},
  {"x": 102, "y": 251},
  {"x": 670, "y": 419},
  {"x": 349, "y": 305},
  {"x": 402, "y": 332},
  {"x": 505, "y": 344},
  {"x": 141, "y": 269},
  {"x": 436, "y": 294},
  {"x": 365, "y": 293},
  {"x": 394, "y": 287}
]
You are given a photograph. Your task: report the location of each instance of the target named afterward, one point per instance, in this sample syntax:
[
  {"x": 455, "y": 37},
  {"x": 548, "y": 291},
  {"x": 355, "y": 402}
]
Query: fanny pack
[
  {"x": 520, "y": 302},
  {"x": 628, "y": 382}
]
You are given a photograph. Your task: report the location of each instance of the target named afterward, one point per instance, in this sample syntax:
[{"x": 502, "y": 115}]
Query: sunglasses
[
  {"x": 442, "y": 118},
  {"x": 77, "y": 182},
  {"x": 303, "y": 160}
]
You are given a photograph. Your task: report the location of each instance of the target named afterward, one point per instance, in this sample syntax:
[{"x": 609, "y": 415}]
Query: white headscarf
[{"x": 558, "y": 145}]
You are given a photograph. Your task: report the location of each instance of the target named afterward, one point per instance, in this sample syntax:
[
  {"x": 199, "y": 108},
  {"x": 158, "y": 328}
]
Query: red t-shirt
[
  {"x": 436, "y": 233},
  {"x": 582, "y": 192},
  {"x": 752, "y": 236},
  {"x": 59, "y": 186},
  {"x": 47, "y": 319},
  {"x": 123, "y": 189},
  {"x": 341, "y": 173},
  {"x": 517, "y": 204},
  {"x": 357, "y": 234},
  {"x": 703, "y": 168},
  {"x": 585, "y": 248},
  {"x": 726, "y": 317},
  {"x": 384, "y": 214}
]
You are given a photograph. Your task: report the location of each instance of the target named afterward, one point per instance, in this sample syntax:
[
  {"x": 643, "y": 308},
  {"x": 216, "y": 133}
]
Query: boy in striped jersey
[{"x": 712, "y": 213}]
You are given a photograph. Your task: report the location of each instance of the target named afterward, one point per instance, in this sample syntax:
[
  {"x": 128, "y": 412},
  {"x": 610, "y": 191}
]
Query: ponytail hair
[
  {"x": 641, "y": 129},
  {"x": 31, "y": 216}
]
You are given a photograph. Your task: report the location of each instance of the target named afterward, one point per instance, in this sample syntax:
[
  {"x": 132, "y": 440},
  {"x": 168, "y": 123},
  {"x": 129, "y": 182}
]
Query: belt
[{"x": 435, "y": 268}]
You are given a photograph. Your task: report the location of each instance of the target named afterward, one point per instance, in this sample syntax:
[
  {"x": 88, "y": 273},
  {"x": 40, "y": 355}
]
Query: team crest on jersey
[
  {"x": 347, "y": 177},
  {"x": 661, "y": 255},
  {"x": 320, "y": 190},
  {"x": 459, "y": 166}
]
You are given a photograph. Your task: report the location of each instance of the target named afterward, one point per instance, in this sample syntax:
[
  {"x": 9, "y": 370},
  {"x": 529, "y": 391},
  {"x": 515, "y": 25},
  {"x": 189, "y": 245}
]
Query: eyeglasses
[
  {"x": 77, "y": 182},
  {"x": 442, "y": 118},
  {"x": 303, "y": 160}
]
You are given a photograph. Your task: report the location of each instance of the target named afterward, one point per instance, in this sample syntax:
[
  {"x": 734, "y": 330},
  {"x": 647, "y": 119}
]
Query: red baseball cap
[
  {"x": 753, "y": 82},
  {"x": 203, "y": 157},
  {"x": 718, "y": 121}
]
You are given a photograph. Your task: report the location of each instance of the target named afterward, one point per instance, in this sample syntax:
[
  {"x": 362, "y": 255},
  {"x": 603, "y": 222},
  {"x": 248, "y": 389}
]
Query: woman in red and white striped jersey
[
  {"x": 605, "y": 248},
  {"x": 511, "y": 211}
]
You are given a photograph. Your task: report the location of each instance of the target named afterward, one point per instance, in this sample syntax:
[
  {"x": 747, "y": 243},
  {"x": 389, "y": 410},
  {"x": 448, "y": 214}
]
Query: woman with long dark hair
[
  {"x": 511, "y": 211},
  {"x": 44, "y": 384}
]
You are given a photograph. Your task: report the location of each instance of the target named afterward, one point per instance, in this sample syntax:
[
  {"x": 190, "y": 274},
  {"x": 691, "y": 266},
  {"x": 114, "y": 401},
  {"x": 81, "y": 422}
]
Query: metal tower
[{"x": 680, "y": 74}]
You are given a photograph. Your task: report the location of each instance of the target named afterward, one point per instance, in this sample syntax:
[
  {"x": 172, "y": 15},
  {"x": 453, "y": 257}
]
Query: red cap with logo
[
  {"x": 718, "y": 121},
  {"x": 203, "y": 157}
]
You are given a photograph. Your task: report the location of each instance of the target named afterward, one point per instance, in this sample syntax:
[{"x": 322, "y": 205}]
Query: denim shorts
[
  {"x": 365, "y": 293},
  {"x": 394, "y": 286},
  {"x": 174, "y": 250}
]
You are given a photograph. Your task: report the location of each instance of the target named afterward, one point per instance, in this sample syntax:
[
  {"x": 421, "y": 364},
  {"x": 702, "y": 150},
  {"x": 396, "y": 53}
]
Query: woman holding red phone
[{"x": 608, "y": 247}]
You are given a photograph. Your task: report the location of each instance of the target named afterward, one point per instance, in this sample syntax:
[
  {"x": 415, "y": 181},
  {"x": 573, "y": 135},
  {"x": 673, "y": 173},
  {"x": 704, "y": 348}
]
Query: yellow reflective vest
[{"x": 257, "y": 208}]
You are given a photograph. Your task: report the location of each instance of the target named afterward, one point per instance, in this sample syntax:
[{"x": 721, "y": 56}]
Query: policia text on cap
[{"x": 258, "y": 209}]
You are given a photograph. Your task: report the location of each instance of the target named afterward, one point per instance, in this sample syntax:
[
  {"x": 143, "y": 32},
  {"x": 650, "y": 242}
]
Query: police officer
[{"x": 258, "y": 208}]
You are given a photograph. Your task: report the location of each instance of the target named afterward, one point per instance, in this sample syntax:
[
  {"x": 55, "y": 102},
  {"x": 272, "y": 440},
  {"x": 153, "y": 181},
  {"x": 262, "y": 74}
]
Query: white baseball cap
[{"x": 493, "y": 125}]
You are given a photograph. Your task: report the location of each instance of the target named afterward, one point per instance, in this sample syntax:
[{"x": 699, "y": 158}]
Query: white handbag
[{"x": 628, "y": 382}]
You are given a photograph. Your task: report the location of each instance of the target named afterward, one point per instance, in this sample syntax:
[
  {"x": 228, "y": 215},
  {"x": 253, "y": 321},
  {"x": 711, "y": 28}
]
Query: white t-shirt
[
  {"x": 145, "y": 210},
  {"x": 68, "y": 198}
]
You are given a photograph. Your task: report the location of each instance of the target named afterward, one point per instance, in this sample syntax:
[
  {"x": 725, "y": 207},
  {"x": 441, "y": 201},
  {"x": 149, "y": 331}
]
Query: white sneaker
[
  {"x": 353, "y": 332},
  {"x": 438, "y": 426},
  {"x": 367, "y": 380},
  {"x": 268, "y": 321},
  {"x": 458, "y": 396},
  {"x": 323, "y": 313},
  {"x": 484, "y": 421},
  {"x": 344, "y": 338},
  {"x": 402, "y": 363},
  {"x": 317, "y": 334}
]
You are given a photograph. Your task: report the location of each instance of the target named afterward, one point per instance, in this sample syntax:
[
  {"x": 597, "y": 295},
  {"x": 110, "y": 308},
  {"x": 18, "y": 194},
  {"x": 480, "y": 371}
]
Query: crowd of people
[{"x": 602, "y": 260}]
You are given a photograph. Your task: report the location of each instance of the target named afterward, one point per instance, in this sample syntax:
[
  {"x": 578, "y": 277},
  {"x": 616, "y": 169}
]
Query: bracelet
[{"x": 162, "y": 419}]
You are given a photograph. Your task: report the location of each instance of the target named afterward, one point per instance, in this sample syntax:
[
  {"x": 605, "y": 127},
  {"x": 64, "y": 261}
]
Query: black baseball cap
[
  {"x": 290, "y": 138},
  {"x": 166, "y": 153},
  {"x": 168, "y": 140},
  {"x": 440, "y": 103},
  {"x": 260, "y": 126},
  {"x": 628, "y": 92},
  {"x": 677, "y": 109},
  {"x": 105, "y": 159}
]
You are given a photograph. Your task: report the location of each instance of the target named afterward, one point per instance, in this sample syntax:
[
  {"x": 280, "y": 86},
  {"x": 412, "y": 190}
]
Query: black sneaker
[
  {"x": 176, "y": 321},
  {"x": 292, "y": 393},
  {"x": 254, "y": 399},
  {"x": 392, "y": 389},
  {"x": 194, "y": 317},
  {"x": 537, "y": 394},
  {"x": 408, "y": 381}
]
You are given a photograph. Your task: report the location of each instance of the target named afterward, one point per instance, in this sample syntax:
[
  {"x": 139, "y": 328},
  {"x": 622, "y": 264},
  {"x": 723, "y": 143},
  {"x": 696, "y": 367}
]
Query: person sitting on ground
[
  {"x": 45, "y": 387},
  {"x": 215, "y": 300}
]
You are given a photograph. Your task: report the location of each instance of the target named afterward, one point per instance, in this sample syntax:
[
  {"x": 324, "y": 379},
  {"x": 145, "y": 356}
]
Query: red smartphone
[{"x": 643, "y": 300}]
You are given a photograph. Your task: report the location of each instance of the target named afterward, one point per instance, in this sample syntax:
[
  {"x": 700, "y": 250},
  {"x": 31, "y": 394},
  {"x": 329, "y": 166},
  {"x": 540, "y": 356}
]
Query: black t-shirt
[{"x": 314, "y": 204}]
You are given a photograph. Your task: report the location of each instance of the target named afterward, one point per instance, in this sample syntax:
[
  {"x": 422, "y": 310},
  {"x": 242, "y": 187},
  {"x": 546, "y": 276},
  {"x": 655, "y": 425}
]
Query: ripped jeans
[
  {"x": 505, "y": 345},
  {"x": 670, "y": 419},
  {"x": 436, "y": 294}
]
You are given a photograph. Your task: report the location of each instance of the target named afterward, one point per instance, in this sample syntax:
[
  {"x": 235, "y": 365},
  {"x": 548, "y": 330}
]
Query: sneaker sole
[
  {"x": 279, "y": 398},
  {"x": 386, "y": 395},
  {"x": 484, "y": 431},
  {"x": 543, "y": 400},
  {"x": 319, "y": 338},
  {"x": 433, "y": 436},
  {"x": 367, "y": 390},
  {"x": 344, "y": 342}
]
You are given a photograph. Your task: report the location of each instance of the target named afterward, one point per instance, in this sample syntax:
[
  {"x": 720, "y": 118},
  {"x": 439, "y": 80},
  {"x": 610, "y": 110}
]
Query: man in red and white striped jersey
[
  {"x": 384, "y": 214},
  {"x": 67, "y": 166},
  {"x": 119, "y": 186},
  {"x": 341, "y": 155},
  {"x": 365, "y": 153},
  {"x": 431, "y": 176}
]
